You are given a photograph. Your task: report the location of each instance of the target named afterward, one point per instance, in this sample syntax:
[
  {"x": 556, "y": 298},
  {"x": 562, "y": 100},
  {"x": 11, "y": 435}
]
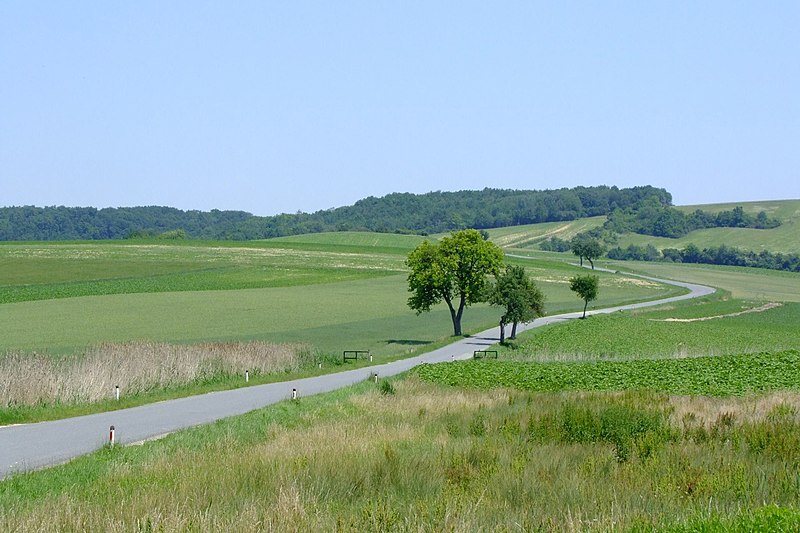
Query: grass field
[
  {"x": 743, "y": 283},
  {"x": 409, "y": 455},
  {"x": 431, "y": 458},
  {"x": 63, "y": 297},
  {"x": 79, "y": 296},
  {"x": 710, "y": 327}
]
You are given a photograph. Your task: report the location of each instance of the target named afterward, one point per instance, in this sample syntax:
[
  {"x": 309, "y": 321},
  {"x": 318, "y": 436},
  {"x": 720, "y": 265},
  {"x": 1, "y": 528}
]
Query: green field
[
  {"x": 743, "y": 283},
  {"x": 709, "y": 327},
  {"x": 633, "y": 427},
  {"x": 65, "y": 297}
]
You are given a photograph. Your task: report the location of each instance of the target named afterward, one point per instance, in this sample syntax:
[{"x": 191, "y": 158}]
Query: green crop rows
[{"x": 714, "y": 376}]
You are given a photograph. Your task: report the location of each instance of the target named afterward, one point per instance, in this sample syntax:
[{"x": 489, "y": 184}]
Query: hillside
[
  {"x": 782, "y": 239},
  {"x": 422, "y": 214}
]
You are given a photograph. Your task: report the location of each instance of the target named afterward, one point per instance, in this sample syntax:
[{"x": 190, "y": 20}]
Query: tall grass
[
  {"x": 136, "y": 367},
  {"x": 433, "y": 459}
]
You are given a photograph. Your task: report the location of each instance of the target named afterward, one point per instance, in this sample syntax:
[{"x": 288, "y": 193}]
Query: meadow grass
[
  {"x": 708, "y": 327},
  {"x": 38, "y": 271},
  {"x": 742, "y": 283},
  {"x": 426, "y": 458}
]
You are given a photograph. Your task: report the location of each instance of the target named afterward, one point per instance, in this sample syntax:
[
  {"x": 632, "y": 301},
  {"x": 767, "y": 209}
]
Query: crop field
[
  {"x": 715, "y": 376},
  {"x": 409, "y": 456}
]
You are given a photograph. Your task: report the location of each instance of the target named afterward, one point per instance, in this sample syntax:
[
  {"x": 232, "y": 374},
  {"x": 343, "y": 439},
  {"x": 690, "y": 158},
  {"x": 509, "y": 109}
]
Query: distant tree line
[
  {"x": 88, "y": 223},
  {"x": 714, "y": 255},
  {"x": 434, "y": 212}
]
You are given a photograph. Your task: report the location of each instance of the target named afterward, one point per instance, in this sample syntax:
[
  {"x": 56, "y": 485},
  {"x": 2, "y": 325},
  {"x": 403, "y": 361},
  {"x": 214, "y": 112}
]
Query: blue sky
[{"x": 273, "y": 107}]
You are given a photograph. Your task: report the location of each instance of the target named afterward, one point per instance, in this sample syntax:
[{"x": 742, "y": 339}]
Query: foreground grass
[{"x": 427, "y": 458}]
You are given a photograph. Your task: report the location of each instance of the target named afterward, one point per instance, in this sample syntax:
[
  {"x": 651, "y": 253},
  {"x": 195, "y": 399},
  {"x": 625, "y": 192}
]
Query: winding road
[{"x": 31, "y": 446}]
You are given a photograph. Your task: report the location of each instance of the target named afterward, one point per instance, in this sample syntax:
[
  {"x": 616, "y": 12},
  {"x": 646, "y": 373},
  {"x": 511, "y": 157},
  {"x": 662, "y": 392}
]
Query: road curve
[{"x": 31, "y": 446}]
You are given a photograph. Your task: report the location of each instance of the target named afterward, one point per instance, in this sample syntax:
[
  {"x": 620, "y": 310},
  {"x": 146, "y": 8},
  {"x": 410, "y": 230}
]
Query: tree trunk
[
  {"x": 502, "y": 331},
  {"x": 585, "y": 305},
  {"x": 581, "y": 260},
  {"x": 513, "y": 330},
  {"x": 591, "y": 262},
  {"x": 457, "y": 320},
  {"x": 454, "y": 317}
]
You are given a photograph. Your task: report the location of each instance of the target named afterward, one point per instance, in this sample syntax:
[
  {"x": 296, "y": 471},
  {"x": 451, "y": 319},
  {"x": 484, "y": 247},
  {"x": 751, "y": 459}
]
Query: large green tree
[
  {"x": 455, "y": 270},
  {"x": 521, "y": 299},
  {"x": 587, "y": 247},
  {"x": 586, "y": 287}
]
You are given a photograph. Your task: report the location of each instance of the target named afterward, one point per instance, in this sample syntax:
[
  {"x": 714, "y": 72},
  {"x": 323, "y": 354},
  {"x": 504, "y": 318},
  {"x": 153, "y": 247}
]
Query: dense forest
[{"x": 432, "y": 212}]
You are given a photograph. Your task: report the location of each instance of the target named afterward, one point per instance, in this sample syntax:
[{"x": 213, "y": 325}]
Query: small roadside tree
[
  {"x": 587, "y": 247},
  {"x": 521, "y": 299},
  {"x": 586, "y": 287},
  {"x": 455, "y": 271}
]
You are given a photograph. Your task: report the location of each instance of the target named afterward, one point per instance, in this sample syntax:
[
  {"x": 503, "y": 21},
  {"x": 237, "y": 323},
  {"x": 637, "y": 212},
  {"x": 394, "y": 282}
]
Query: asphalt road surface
[{"x": 31, "y": 446}]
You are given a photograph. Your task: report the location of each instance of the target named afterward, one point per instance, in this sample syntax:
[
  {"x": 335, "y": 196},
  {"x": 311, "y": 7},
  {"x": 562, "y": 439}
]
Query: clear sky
[{"x": 273, "y": 107}]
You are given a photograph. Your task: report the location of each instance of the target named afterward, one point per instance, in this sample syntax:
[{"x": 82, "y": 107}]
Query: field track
[{"x": 31, "y": 446}]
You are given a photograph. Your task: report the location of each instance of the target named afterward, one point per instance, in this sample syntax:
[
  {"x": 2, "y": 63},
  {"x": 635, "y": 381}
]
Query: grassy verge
[{"x": 420, "y": 457}]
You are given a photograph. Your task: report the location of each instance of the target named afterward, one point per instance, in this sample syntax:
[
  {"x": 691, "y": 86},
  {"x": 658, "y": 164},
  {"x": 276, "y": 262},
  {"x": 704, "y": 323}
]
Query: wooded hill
[{"x": 433, "y": 212}]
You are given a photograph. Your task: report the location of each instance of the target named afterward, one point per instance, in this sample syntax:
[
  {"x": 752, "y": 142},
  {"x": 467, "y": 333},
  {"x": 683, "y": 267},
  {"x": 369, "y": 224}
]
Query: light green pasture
[
  {"x": 743, "y": 283},
  {"x": 360, "y": 314}
]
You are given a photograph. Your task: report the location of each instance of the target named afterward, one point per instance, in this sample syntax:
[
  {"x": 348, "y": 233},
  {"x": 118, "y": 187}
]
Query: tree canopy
[
  {"x": 587, "y": 247},
  {"x": 455, "y": 270},
  {"x": 586, "y": 287},
  {"x": 519, "y": 296}
]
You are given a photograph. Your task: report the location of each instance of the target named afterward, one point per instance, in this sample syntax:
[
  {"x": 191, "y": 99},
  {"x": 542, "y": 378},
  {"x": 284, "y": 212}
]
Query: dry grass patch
[
  {"x": 706, "y": 411},
  {"x": 34, "y": 379}
]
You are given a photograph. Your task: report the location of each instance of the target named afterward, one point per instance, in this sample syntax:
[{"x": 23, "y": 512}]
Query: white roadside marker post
[
  {"x": 376, "y": 377},
  {"x": 247, "y": 376},
  {"x": 370, "y": 357},
  {"x": 111, "y": 435},
  {"x": 294, "y": 394},
  {"x": 116, "y": 392}
]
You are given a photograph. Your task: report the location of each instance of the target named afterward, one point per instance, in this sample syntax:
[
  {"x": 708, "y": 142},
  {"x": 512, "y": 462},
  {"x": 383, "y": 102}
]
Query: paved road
[{"x": 31, "y": 446}]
